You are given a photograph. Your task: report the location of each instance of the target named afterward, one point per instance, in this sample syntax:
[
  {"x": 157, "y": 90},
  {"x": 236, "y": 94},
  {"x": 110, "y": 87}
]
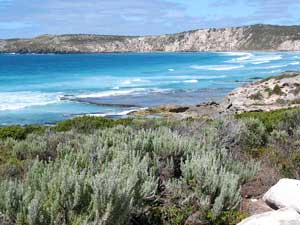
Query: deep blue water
[{"x": 32, "y": 86}]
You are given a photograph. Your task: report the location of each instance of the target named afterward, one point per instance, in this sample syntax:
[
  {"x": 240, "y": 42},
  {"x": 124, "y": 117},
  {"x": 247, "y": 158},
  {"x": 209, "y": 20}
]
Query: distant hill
[{"x": 255, "y": 37}]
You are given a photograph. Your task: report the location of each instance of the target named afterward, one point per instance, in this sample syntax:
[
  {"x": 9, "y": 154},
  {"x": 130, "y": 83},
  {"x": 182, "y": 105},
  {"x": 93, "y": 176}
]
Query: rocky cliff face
[{"x": 256, "y": 37}]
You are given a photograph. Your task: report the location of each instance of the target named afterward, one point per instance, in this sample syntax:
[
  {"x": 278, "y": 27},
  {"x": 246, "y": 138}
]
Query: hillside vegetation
[
  {"x": 142, "y": 171},
  {"x": 255, "y": 37}
]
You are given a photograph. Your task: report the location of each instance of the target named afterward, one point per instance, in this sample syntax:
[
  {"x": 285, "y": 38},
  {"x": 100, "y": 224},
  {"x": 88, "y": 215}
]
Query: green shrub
[
  {"x": 256, "y": 96},
  {"x": 285, "y": 149},
  {"x": 268, "y": 90},
  {"x": 281, "y": 101},
  {"x": 277, "y": 90},
  {"x": 272, "y": 119},
  {"x": 173, "y": 215},
  {"x": 90, "y": 123},
  {"x": 19, "y": 132},
  {"x": 252, "y": 134},
  {"x": 231, "y": 217}
]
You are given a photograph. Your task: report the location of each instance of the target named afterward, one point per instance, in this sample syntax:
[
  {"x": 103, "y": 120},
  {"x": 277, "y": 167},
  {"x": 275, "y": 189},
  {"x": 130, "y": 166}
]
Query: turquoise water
[{"x": 38, "y": 89}]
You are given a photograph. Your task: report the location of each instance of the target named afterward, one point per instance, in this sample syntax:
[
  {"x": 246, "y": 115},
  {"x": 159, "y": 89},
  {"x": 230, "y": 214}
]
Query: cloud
[
  {"x": 138, "y": 17},
  {"x": 263, "y": 11},
  {"x": 135, "y": 17}
]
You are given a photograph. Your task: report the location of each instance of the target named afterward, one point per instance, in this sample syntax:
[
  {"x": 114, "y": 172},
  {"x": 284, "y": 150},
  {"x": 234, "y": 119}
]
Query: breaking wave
[
  {"x": 21, "y": 100},
  {"x": 217, "y": 67},
  {"x": 255, "y": 59},
  {"x": 190, "y": 81}
]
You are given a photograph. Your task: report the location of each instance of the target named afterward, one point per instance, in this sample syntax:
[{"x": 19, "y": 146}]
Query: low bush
[
  {"x": 272, "y": 119},
  {"x": 19, "y": 132},
  {"x": 252, "y": 134},
  {"x": 256, "y": 96},
  {"x": 90, "y": 123},
  {"x": 277, "y": 90},
  {"x": 118, "y": 176}
]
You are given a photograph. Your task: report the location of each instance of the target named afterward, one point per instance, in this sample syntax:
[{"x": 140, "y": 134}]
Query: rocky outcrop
[
  {"x": 256, "y": 37},
  {"x": 286, "y": 193},
  {"x": 284, "y": 198},
  {"x": 205, "y": 110},
  {"x": 265, "y": 95},
  {"x": 286, "y": 216},
  {"x": 279, "y": 92}
]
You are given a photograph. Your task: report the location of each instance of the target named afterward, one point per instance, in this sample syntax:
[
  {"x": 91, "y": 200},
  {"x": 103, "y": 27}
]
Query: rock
[
  {"x": 265, "y": 95},
  {"x": 285, "y": 216},
  {"x": 286, "y": 193},
  {"x": 179, "y": 109},
  {"x": 254, "y": 206}
]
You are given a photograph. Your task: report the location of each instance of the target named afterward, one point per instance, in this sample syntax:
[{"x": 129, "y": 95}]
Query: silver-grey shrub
[
  {"x": 216, "y": 178},
  {"x": 106, "y": 177}
]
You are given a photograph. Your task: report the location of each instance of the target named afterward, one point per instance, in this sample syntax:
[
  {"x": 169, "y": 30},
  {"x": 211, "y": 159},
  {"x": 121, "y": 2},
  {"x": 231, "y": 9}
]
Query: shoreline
[{"x": 261, "y": 95}]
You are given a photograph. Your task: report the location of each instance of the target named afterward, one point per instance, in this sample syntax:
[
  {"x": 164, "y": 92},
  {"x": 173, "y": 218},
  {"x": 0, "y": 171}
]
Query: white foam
[
  {"x": 260, "y": 62},
  {"x": 235, "y": 53},
  {"x": 171, "y": 70},
  {"x": 132, "y": 91},
  {"x": 122, "y": 113},
  {"x": 125, "y": 112},
  {"x": 242, "y": 56},
  {"x": 190, "y": 81},
  {"x": 21, "y": 100},
  {"x": 199, "y": 77},
  {"x": 131, "y": 81},
  {"x": 282, "y": 65},
  {"x": 110, "y": 93},
  {"x": 255, "y": 59},
  {"x": 275, "y": 66},
  {"x": 217, "y": 67},
  {"x": 275, "y": 71}
]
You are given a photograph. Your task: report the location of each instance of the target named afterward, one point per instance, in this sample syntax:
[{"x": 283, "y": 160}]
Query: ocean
[{"x": 44, "y": 89}]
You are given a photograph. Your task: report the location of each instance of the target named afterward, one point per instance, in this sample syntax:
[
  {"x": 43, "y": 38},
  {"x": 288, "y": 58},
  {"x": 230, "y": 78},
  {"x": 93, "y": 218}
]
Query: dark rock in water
[
  {"x": 154, "y": 99},
  {"x": 97, "y": 101},
  {"x": 256, "y": 78},
  {"x": 208, "y": 104},
  {"x": 179, "y": 110}
]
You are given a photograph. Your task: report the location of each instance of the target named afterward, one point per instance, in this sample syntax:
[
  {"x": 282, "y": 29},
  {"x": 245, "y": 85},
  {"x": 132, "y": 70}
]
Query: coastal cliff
[{"x": 256, "y": 37}]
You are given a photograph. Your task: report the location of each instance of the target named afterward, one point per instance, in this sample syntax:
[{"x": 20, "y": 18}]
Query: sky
[{"x": 29, "y": 18}]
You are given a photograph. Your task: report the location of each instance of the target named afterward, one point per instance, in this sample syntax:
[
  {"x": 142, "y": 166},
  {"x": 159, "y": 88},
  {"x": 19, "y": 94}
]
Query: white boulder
[
  {"x": 285, "y": 216},
  {"x": 286, "y": 193}
]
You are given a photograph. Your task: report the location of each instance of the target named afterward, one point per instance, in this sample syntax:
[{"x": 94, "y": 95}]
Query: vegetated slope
[
  {"x": 93, "y": 170},
  {"x": 256, "y": 37}
]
